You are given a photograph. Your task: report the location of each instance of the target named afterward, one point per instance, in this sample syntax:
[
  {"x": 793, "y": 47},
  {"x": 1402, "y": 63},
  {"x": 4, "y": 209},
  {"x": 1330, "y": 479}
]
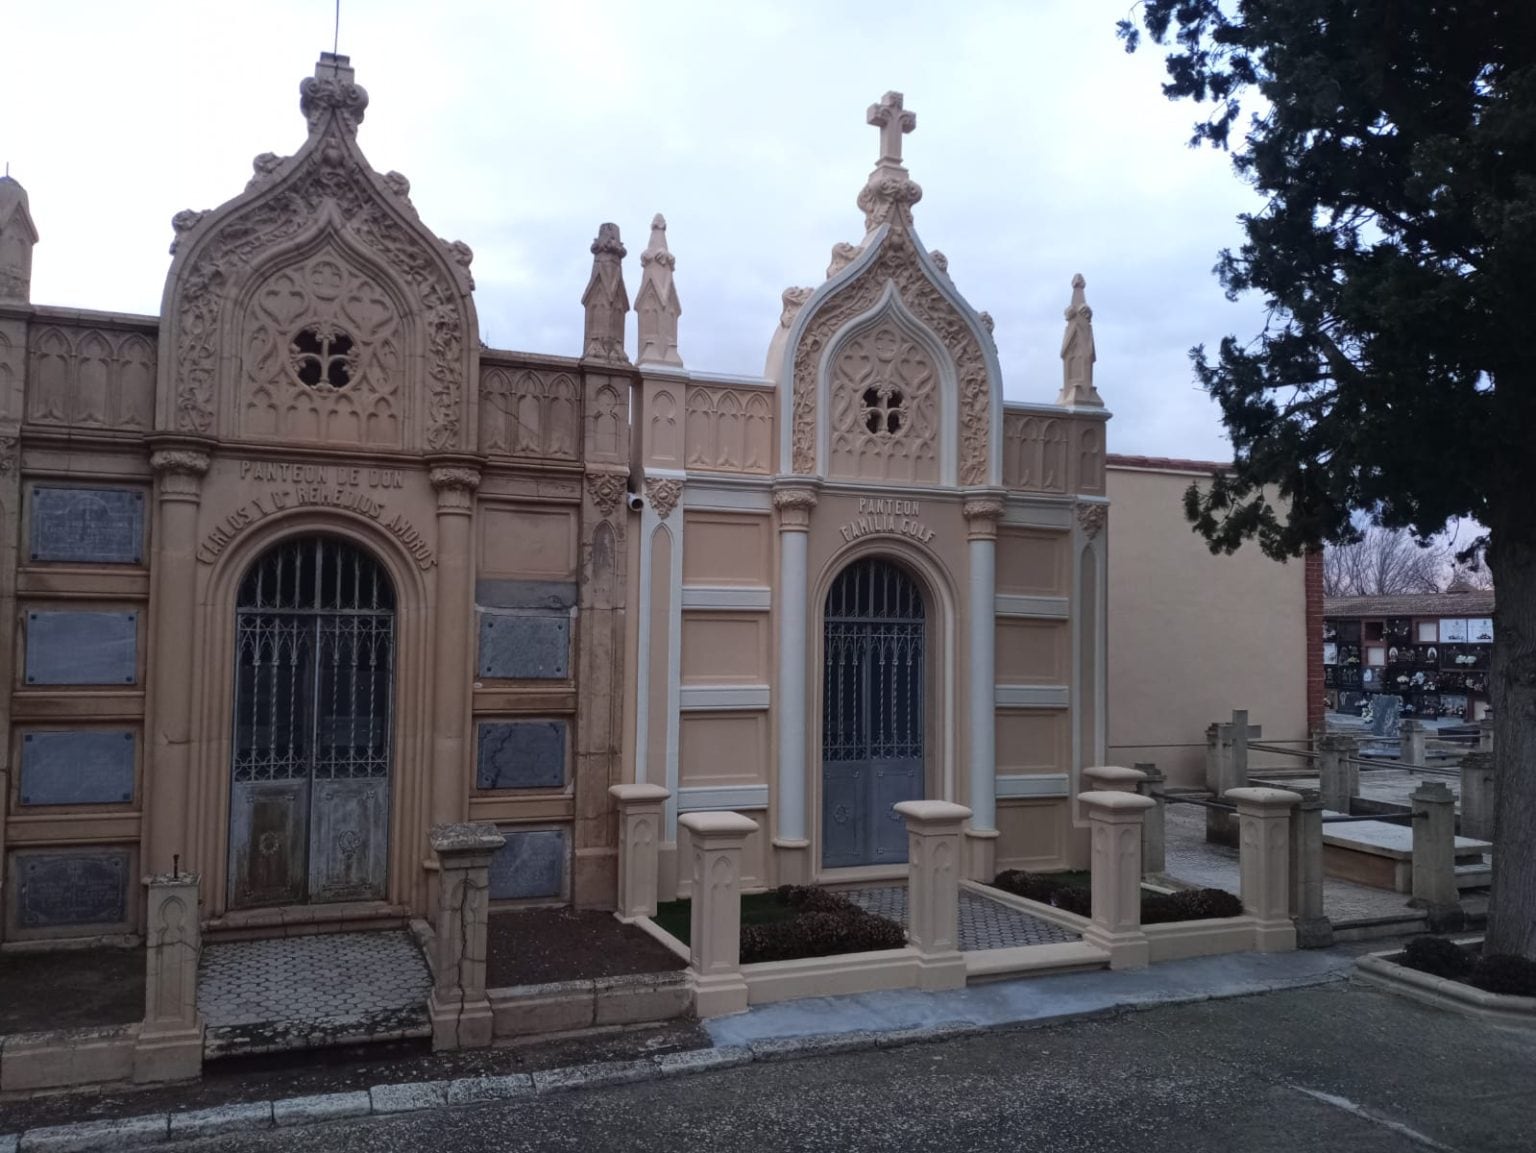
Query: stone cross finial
[
  {"x": 894, "y": 122},
  {"x": 1077, "y": 351},
  {"x": 656, "y": 304}
]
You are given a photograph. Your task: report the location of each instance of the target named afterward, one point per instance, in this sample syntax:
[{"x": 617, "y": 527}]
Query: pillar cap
[
  {"x": 478, "y": 836},
  {"x": 166, "y": 880},
  {"x": 924, "y": 812},
  {"x": 712, "y": 824},
  {"x": 1116, "y": 799},
  {"x": 638, "y": 792},
  {"x": 1262, "y": 798},
  {"x": 1115, "y": 774}
]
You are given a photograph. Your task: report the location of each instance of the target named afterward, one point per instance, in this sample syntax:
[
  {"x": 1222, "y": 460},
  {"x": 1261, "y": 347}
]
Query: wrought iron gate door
[
  {"x": 872, "y": 714},
  {"x": 309, "y": 803}
]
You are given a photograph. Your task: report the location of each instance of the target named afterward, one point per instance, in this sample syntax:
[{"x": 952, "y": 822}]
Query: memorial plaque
[
  {"x": 524, "y": 646},
  {"x": 87, "y": 525},
  {"x": 1386, "y": 715},
  {"x": 77, "y": 887},
  {"x": 520, "y": 755},
  {"x": 82, "y": 648},
  {"x": 531, "y": 864},
  {"x": 79, "y": 767}
]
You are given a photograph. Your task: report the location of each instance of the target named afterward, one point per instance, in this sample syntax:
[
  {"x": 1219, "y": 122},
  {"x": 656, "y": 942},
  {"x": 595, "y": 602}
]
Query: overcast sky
[{"x": 1042, "y": 148}]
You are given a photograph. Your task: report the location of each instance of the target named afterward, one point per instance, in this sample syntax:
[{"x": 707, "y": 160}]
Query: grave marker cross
[{"x": 894, "y": 122}]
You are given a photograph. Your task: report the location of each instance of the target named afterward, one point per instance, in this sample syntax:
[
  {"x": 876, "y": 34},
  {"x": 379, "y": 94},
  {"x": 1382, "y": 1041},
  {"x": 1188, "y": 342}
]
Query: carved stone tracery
[{"x": 883, "y": 400}]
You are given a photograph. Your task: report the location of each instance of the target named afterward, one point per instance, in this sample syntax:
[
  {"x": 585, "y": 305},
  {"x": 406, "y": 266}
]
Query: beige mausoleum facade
[{"x": 300, "y": 569}]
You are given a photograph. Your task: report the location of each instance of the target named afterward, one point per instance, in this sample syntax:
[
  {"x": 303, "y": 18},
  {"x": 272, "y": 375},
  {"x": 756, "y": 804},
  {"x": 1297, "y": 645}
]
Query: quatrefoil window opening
[
  {"x": 884, "y": 409},
  {"x": 323, "y": 356}
]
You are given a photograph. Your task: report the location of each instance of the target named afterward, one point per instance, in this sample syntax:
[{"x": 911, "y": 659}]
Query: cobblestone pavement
[
  {"x": 984, "y": 924},
  {"x": 311, "y": 991}
]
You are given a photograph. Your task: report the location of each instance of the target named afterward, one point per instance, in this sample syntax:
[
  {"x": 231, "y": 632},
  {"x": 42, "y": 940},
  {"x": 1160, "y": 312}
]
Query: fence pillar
[
  {"x": 716, "y": 841},
  {"x": 170, "y": 1042},
  {"x": 1264, "y": 864},
  {"x": 1338, "y": 775},
  {"x": 639, "y": 847},
  {"x": 933, "y": 890},
  {"x": 1485, "y": 735},
  {"x": 1313, "y": 929},
  {"x": 459, "y": 1009},
  {"x": 1413, "y": 743},
  {"x": 1114, "y": 821},
  {"x": 1220, "y": 827},
  {"x": 1113, "y": 778},
  {"x": 1434, "y": 856},
  {"x": 1213, "y": 758},
  {"x": 1477, "y": 795},
  {"x": 1154, "y": 824}
]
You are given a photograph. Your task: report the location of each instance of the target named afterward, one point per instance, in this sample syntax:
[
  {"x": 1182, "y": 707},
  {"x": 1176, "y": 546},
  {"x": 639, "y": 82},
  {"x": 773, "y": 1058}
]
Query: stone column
[
  {"x": 1477, "y": 795},
  {"x": 1339, "y": 776},
  {"x": 1413, "y": 744},
  {"x": 454, "y": 652},
  {"x": 179, "y": 467},
  {"x": 1313, "y": 929},
  {"x": 715, "y": 842},
  {"x": 1113, "y": 778},
  {"x": 1264, "y": 864},
  {"x": 1434, "y": 856},
  {"x": 1154, "y": 824},
  {"x": 1114, "y": 820},
  {"x": 459, "y": 1009},
  {"x": 982, "y": 512},
  {"x": 639, "y": 845},
  {"x": 169, "y": 1046},
  {"x": 791, "y": 840},
  {"x": 933, "y": 890}
]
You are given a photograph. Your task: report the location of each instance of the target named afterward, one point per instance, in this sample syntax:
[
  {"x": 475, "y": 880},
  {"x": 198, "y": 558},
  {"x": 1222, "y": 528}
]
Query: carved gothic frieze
[
  {"x": 728, "y": 429},
  {"x": 1035, "y": 452},
  {"x": 91, "y": 378},
  {"x": 529, "y": 412}
]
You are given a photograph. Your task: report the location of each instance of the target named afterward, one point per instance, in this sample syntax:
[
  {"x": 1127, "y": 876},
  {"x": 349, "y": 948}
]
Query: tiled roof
[
  {"x": 1166, "y": 463},
  {"x": 1476, "y": 604}
]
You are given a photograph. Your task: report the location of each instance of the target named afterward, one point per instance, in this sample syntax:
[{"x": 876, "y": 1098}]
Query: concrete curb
[{"x": 392, "y": 1100}]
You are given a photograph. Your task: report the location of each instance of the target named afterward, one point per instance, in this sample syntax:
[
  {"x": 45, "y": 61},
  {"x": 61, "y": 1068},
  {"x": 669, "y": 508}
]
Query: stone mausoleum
[{"x": 299, "y": 568}]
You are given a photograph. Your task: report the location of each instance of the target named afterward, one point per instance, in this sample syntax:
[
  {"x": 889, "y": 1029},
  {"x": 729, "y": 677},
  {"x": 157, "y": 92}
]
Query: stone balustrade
[
  {"x": 640, "y": 829},
  {"x": 716, "y": 841},
  {"x": 933, "y": 890},
  {"x": 459, "y": 1009}
]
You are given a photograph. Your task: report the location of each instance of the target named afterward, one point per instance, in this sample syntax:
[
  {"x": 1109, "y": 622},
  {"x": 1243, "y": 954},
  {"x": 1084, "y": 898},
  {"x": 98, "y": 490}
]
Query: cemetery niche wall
[{"x": 300, "y": 569}]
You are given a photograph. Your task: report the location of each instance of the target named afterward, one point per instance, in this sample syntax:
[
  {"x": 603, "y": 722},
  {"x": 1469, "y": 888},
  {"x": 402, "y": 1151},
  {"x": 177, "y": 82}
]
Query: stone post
[
  {"x": 1220, "y": 829},
  {"x": 639, "y": 847},
  {"x": 179, "y": 469},
  {"x": 459, "y": 1008},
  {"x": 169, "y": 1046},
  {"x": 1264, "y": 864},
  {"x": 1313, "y": 929},
  {"x": 715, "y": 842},
  {"x": 933, "y": 890},
  {"x": 1338, "y": 775},
  {"x": 1213, "y": 758},
  {"x": 1477, "y": 795},
  {"x": 1485, "y": 735},
  {"x": 1434, "y": 856},
  {"x": 1413, "y": 744},
  {"x": 455, "y": 641},
  {"x": 1113, "y": 778},
  {"x": 1154, "y": 824},
  {"x": 791, "y": 835},
  {"x": 1114, "y": 820}
]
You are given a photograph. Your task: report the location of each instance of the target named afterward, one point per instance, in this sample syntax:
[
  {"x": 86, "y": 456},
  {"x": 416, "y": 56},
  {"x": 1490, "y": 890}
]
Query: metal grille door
[
  {"x": 872, "y": 713},
  {"x": 314, "y": 656}
]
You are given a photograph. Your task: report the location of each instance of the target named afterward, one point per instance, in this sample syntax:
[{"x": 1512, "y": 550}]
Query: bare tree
[{"x": 1384, "y": 562}]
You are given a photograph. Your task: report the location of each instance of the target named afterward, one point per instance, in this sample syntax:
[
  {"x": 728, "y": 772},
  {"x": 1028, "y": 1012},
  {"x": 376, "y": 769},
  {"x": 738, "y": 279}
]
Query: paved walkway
[
  {"x": 312, "y": 991},
  {"x": 984, "y": 924}
]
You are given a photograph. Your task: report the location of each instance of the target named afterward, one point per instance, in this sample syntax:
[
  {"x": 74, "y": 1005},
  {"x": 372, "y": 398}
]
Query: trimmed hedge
[
  {"x": 825, "y": 923},
  {"x": 1498, "y": 973},
  {"x": 1156, "y": 908}
]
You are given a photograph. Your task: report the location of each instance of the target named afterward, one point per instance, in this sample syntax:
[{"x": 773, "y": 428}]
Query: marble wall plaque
[
  {"x": 87, "y": 525},
  {"x": 78, "y": 887},
  {"x": 520, "y": 755},
  {"x": 524, "y": 646},
  {"x": 82, "y": 648},
  {"x": 531, "y": 864},
  {"x": 78, "y": 767}
]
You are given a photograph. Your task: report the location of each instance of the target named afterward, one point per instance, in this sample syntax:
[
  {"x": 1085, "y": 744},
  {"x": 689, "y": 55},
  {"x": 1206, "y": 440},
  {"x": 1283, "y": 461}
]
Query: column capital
[
  {"x": 982, "y": 509},
  {"x": 455, "y": 480},
  {"x": 794, "y": 503},
  {"x": 180, "y": 466}
]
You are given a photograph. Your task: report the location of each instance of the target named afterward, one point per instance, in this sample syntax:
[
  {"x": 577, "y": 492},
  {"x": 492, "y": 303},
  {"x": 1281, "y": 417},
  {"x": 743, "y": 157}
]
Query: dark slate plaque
[
  {"x": 1386, "y": 715},
  {"x": 530, "y": 864},
  {"x": 512, "y": 594},
  {"x": 79, "y": 767},
  {"x": 520, "y": 755},
  {"x": 524, "y": 647},
  {"x": 80, "y": 887},
  {"x": 82, "y": 648},
  {"x": 95, "y": 525}
]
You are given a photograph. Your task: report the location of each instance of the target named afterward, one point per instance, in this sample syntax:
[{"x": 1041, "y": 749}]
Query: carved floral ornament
[
  {"x": 606, "y": 489},
  {"x": 663, "y": 493},
  {"x": 179, "y": 462},
  {"x": 1092, "y": 518}
]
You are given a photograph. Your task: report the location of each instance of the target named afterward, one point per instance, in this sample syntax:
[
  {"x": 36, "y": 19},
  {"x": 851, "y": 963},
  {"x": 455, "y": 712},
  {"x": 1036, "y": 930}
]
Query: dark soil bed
[
  {"x": 1497, "y": 973},
  {"x": 1072, "y": 893},
  {"x": 70, "y": 989},
  {"x": 795, "y": 921},
  {"x": 533, "y": 946}
]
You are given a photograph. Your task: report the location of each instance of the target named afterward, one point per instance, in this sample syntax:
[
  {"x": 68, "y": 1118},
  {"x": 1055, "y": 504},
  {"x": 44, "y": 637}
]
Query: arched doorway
[
  {"x": 314, "y": 658},
  {"x": 872, "y": 714}
]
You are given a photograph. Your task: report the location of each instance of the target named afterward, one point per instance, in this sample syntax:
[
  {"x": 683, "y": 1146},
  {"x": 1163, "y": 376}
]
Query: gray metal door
[
  {"x": 309, "y": 805},
  {"x": 872, "y": 713}
]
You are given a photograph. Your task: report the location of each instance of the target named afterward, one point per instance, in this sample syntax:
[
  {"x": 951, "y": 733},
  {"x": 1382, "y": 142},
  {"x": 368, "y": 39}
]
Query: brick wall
[{"x": 1313, "y": 569}]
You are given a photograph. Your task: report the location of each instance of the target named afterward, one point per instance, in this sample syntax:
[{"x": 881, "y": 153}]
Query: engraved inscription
[
  {"x": 88, "y": 525},
  {"x": 319, "y": 495},
  {"x": 894, "y": 516},
  {"x": 74, "y": 888}
]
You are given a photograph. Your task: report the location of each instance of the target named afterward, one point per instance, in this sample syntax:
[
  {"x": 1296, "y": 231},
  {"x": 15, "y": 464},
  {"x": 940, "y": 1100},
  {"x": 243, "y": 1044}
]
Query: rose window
[
  {"x": 323, "y": 356},
  {"x": 884, "y": 410}
]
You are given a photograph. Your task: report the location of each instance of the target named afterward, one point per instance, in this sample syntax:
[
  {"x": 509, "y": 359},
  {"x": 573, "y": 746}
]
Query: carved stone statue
[
  {"x": 1077, "y": 354},
  {"x": 17, "y": 236},
  {"x": 656, "y": 303},
  {"x": 606, "y": 299}
]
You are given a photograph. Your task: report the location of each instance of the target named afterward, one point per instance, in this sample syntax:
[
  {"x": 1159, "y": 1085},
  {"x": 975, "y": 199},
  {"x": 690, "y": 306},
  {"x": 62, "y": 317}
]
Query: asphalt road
[{"x": 1329, "y": 1068}]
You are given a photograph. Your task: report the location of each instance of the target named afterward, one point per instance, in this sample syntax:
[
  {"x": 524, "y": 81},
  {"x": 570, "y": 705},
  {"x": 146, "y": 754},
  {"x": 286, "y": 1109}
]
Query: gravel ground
[
  {"x": 531, "y": 946},
  {"x": 70, "y": 989}
]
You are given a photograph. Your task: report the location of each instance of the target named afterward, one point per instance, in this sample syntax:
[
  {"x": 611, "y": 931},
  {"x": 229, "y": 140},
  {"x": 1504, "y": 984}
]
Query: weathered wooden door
[
  {"x": 872, "y": 713},
  {"x": 309, "y": 802}
]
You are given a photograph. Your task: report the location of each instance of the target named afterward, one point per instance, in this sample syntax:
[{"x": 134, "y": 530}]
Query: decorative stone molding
[
  {"x": 91, "y": 377},
  {"x": 1092, "y": 518},
  {"x": 940, "y": 259},
  {"x": 1077, "y": 352},
  {"x": 606, "y": 301},
  {"x": 9, "y": 454},
  {"x": 982, "y": 509},
  {"x": 656, "y": 304},
  {"x": 728, "y": 429},
  {"x": 843, "y": 254},
  {"x": 663, "y": 493},
  {"x": 794, "y": 505},
  {"x": 529, "y": 412},
  {"x": 185, "y": 221},
  {"x": 606, "y": 489},
  {"x": 331, "y": 93},
  {"x": 987, "y": 322},
  {"x": 179, "y": 462},
  {"x": 794, "y": 300}
]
